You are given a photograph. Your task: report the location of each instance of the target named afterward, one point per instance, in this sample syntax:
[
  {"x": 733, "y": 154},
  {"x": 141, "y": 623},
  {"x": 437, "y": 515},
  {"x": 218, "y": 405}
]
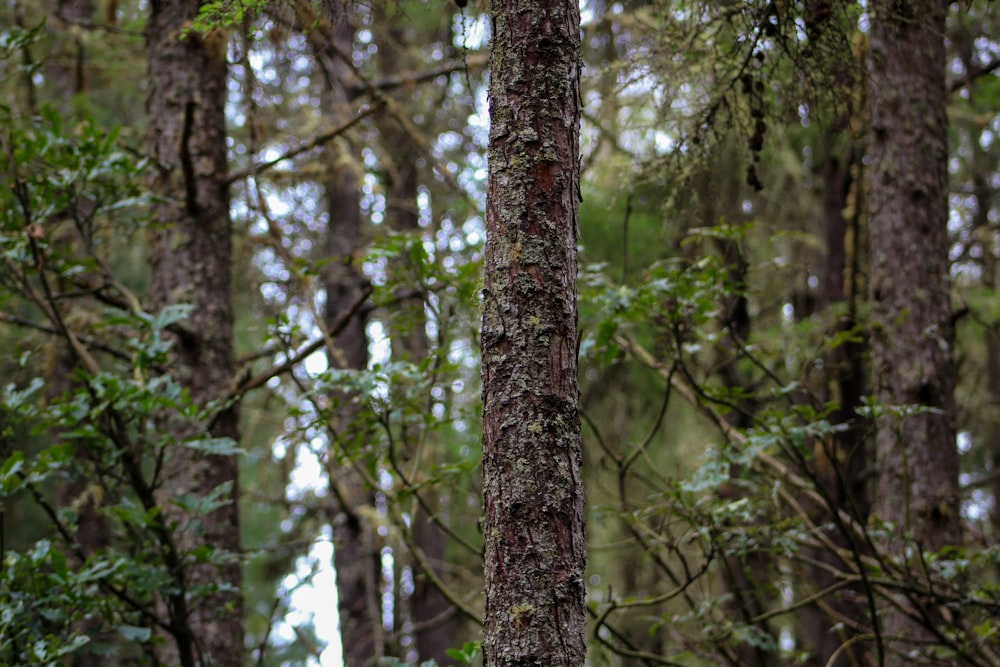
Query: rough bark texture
[
  {"x": 355, "y": 555},
  {"x": 535, "y": 552},
  {"x": 190, "y": 257},
  {"x": 912, "y": 337}
]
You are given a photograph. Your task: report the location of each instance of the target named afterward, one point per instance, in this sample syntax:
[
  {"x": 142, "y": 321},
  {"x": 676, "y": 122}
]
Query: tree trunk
[
  {"x": 982, "y": 164},
  {"x": 840, "y": 461},
  {"x": 912, "y": 336},
  {"x": 92, "y": 532},
  {"x": 66, "y": 69},
  {"x": 190, "y": 257},
  {"x": 435, "y": 627},
  {"x": 355, "y": 555},
  {"x": 535, "y": 551}
]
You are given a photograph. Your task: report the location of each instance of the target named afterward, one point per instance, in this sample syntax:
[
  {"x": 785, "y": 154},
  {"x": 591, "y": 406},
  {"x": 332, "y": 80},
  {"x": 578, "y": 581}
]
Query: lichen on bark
[{"x": 535, "y": 552}]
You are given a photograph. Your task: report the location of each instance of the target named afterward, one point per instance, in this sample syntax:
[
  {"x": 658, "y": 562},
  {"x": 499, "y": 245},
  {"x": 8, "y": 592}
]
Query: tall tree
[
  {"x": 435, "y": 624},
  {"x": 190, "y": 256},
  {"x": 68, "y": 71},
  {"x": 917, "y": 484},
  {"x": 356, "y": 558},
  {"x": 355, "y": 554},
  {"x": 535, "y": 551}
]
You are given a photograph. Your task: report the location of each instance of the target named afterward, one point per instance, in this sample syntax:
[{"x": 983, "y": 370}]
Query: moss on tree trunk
[{"x": 535, "y": 551}]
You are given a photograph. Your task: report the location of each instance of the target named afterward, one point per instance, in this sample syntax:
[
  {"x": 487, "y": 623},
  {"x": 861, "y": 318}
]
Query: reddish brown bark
[{"x": 535, "y": 551}]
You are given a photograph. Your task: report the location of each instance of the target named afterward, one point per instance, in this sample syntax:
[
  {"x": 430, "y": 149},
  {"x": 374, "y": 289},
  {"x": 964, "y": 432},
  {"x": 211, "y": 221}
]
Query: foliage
[{"x": 720, "y": 338}]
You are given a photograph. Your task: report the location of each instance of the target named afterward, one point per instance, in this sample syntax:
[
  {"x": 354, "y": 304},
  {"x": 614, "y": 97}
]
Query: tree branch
[
  {"x": 315, "y": 142},
  {"x": 472, "y": 63},
  {"x": 974, "y": 74},
  {"x": 86, "y": 340},
  {"x": 241, "y": 388}
]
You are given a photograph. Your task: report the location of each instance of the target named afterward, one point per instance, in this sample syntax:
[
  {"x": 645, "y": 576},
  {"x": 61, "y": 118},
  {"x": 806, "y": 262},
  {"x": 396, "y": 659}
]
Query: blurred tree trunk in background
[
  {"x": 190, "y": 257},
  {"x": 840, "y": 461},
  {"x": 68, "y": 67},
  {"x": 356, "y": 556},
  {"x": 67, "y": 71},
  {"x": 980, "y": 168},
  {"x": 431, "y": 613},
  {"x": 912, "y": 330}
]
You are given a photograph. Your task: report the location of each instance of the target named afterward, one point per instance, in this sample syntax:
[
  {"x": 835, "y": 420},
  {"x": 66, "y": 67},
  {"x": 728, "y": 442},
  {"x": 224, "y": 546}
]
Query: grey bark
[
  {"x": 190, "y": 258},
  {"x": 912, "y": 337},
  {"x": 535, "y": 551}
]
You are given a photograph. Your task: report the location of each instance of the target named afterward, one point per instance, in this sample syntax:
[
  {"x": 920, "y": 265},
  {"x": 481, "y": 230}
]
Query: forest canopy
[{"x": 523, "y": 332}]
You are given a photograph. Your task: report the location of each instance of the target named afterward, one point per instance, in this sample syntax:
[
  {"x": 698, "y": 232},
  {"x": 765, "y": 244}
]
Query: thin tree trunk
[
  {"x": 436, "y": 628},
  {"x": 982, "y": 166},
  {"x": 840, "y": 461},
  {"x": 992, "y": 339},
  {"x": 535, "y": 551},
  {"x": 66, "y": 70},
  {"x": 912, "y": 337},
  {"x": 190, "y": 257},
  {"x": 355, "y": 555}
]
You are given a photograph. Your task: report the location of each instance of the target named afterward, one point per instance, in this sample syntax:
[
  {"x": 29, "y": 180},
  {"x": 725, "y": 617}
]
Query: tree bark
[
  {"x": 190, "y": 257},
  {"x": 355, "y": 556},
  {"x": 912, "y": 333},
  {"x": 535, "y": 551}
]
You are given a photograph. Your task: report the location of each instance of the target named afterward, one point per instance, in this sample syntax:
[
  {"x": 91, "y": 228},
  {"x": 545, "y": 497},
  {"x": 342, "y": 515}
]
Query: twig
[
  {"x": 86, "y": 340},
  {"x": 241, "y": 388},
  {"x": 315, "y": 142}
]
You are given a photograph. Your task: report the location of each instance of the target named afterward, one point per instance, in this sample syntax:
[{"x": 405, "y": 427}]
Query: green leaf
[
  {"x": 9, "y": 470},
  {"x": 215, "y": 446},
  {"x": 171, "y": 314},
  {"x": 134, "y": 633},
  {"x": 467, "y": 653}
]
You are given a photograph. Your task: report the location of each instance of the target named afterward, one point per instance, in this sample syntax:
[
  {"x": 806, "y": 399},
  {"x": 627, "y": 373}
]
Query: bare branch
[
  {"x": 315, "y": 142},
  {"x": 472, "y": 63}
]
